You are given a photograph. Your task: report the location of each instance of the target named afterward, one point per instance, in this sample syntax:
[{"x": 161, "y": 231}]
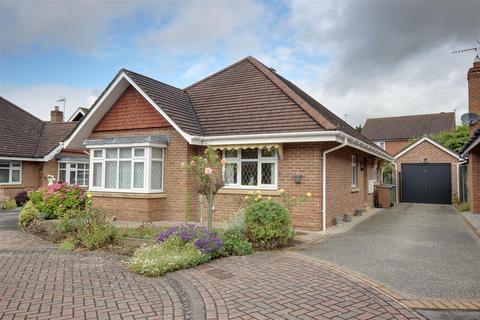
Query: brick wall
[
  {"x": 394, "y": 147},
  {"x": 474, "y": 92},
  {"x": 30, "y": 176},
  {"x": 433, "y": 155},
  {"x": 474, "y": 180}
]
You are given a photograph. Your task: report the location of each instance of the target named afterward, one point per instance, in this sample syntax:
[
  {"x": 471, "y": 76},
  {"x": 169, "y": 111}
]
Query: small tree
[
  {"x": 453, "y": 140},
  {"x": 207, "y": 178}
]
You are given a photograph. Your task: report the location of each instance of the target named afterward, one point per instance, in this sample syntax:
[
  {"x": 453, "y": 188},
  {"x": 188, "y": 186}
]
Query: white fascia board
[
  {"x": 470, "y": 147},
  {"x": 131, "y": 145},
  {"x": 116, "y": 87},
  {"x": 185, "y": 135},
  {"x": 427, "y": 139}
]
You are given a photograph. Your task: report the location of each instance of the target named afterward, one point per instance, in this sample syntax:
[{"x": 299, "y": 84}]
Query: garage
[{"x": 426, "y": 183}]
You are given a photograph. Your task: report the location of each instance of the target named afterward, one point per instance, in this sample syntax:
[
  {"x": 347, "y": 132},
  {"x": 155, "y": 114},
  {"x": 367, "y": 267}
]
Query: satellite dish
[{"x": 470, "y": 118}]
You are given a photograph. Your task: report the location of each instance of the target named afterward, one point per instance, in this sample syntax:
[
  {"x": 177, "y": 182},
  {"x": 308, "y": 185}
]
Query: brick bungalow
[
  {"x": 472, "y": 149},
  {"x": 32, "y": 149},
  {"x": 141, "y": 133}
]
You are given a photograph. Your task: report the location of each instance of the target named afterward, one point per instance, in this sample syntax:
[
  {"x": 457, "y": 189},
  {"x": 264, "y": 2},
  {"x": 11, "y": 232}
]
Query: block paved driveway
[
  {"x": 39, "y": 282},
  {"x": 418, "y": 250}
]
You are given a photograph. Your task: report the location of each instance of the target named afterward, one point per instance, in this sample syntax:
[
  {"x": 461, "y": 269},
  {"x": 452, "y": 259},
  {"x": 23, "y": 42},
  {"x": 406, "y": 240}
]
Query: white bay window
[
  {"x": 250, "y": 168},
  {"x": 74, "y": 173},
  {"x": 127, "y": 169}
]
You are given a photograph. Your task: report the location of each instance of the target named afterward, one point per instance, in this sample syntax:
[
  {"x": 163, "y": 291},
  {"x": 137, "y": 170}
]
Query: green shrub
[
  {"x": 56, "y": 199},
  {"x": 10, "y": 204},
  {"x": 67, "y": 245},
  {"x": 96, "y": 230},
  {"x": 70, "y": 221},
  {"x": 268, "y": 224},
  {"x": 464, "y": 206},
  {"x": 171, "y": 255},
  {"x": 236, "y": 244},
  {"x": 28, "y": 214}
]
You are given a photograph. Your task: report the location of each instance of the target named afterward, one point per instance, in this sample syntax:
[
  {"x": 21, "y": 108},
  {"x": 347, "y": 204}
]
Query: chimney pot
[{"x": 56, "y": 116}]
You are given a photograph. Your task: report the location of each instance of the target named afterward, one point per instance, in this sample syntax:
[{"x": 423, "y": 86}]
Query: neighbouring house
[
  {"x": 471, "y": 150},
  {"x": 393, "y": 134},
  {"x": 425, "y": 171},
  {"x": 141, "y": 132},
  {"x": 32, "y": 149}
]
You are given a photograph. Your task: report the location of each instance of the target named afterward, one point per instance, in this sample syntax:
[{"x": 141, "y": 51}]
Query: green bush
[
  {"x": 10, "y": 204},
  {"x": 28, "y": 214},
  {"x": 268, "y": 224},
  {"x": 67, "y": 245},
  {"x": 235, "y": 243},
  {"x": 464, "y": 206},
  {"x": 171, "y": 255},
  {"x": 70, "y": 221},
  {"x": 54, "y": 200},
  {"x": 96, "y": 230}
]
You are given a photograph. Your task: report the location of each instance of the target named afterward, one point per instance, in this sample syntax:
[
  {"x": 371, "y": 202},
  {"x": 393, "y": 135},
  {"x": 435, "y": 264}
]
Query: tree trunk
[{"x": 210, "y": 212}]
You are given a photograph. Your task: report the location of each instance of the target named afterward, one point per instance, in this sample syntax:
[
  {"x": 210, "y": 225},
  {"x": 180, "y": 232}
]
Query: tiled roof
[
  {"x": 173, "y": 101},
  {"x": 24, "y": 135},
  {"x": 408, "y": 127},
  {"x": 475, "y": 136}
]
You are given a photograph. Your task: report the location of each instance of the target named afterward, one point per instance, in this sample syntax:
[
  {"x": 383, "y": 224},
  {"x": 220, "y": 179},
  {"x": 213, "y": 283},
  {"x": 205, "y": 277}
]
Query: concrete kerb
[{"x": 468, "y": 222}]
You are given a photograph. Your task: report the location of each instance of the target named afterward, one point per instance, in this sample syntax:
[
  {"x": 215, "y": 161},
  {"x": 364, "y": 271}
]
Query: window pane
[
  {"x": 72, "y": 177},
  {"x": 230, "y": 173},
  {"x": 268, "y": 153},
  {"x": 4, "y": 175},
  {"x": 97, "y": 153},
  {"x": 268, "y": 173},
  {"x": 87, "y": 166},
  {"x": 4, "y": 164},
  {"x": 125, "y": 175},
  {"x": 250, "y": 153},
  {"x": 139, "y": 152},
  {"x": 249, "y": 173},
  {"x": 111, "y": 174},
  {"x": 80, "y": 179},
  {"x": 15, "y": 164},
  {"x": 97, "y": 174},
  {"x": 87, "y": 176},
  {"x": 15, "y": 175},
  {"x": 73, "y": 165},
  {"x": 157, "y": 153},
  {"x": 157, "y": 175},
  {"x": 62, "y": 175},
  {"x": 63, "y": 165},
  {"x": 112, "y": 153},
  {"x": 138, "y": 174},
  {"x": 125, "y": 153},
  {"x": 231, "y": 153}
]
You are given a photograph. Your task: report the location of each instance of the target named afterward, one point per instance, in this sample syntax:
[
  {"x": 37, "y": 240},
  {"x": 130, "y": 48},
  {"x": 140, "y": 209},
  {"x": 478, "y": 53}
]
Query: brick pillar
[
  {"x": 474, "y": 91},
  {"x": 474, "y": 180}
]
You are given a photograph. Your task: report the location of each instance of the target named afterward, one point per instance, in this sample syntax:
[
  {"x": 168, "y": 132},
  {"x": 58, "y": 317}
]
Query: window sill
[
  {"x": 265, "y": 192},
  {"x": 101, "y": 194},
  {"x": 355, "y": 189},
  {"x": 10, "y": 185}
]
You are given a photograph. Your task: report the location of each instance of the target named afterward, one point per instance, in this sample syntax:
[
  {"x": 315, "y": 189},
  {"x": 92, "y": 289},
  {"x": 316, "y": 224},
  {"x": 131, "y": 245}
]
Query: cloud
[
  {"x": 39, "y": 100},
  {"x": 78, "y": 25},
  {"x": 205, "y": 26},
  {"x": 390, "y": 57}
]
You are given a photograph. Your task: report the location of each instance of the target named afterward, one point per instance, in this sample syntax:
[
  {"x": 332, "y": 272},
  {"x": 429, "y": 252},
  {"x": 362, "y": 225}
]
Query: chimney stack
[
  {"x": 56, "y": 116},
  {"x": 474, "y": 91}
]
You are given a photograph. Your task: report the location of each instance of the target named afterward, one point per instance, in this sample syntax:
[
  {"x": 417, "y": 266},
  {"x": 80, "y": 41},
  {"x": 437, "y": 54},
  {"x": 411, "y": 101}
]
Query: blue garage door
[{"x": 426, "y": 183}]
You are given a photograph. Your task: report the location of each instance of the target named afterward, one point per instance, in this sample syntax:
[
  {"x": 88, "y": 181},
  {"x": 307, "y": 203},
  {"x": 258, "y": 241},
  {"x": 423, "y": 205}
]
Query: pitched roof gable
[
  {"x": 408, "y": 127},
  {"x": 24, "y": 135},
  {"x": 426, "y": 140}
]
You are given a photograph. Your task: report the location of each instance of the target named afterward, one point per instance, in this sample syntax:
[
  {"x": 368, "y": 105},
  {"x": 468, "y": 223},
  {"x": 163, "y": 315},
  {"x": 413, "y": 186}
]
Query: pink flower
[
  {"x": 208, "y": 171},
  {"x": 222, "y": 161}
]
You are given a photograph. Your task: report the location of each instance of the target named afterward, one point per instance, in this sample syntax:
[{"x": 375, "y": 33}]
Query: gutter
[{"x": 324, "y": 182}]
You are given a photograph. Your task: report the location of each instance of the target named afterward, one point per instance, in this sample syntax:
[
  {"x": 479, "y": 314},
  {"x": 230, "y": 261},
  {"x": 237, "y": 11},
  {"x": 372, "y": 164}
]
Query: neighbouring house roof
[
  {"x": 471, "y": 143},
  {"x": 246, "y": 101},
  {"x": 434, "y": 143},
  {"x": 408, "y": 127},
  {"x": 24, "y": 135}
]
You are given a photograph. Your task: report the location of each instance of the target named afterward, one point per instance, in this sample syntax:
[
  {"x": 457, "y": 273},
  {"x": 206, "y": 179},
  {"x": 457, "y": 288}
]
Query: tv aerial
[
  {"x": 469, "y": 49},
  {"x": 470, "y": 118}
]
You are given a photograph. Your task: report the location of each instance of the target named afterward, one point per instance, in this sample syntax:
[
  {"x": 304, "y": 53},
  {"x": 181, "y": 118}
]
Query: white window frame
[
  {"x": 69, "y": 169},
  {"x": 354, "y": 171},
  {"x": 260, "y": 160},
  {"x": 381, "y": 144},
  {"x": 146, "y": 159},
  {"x": 12, "y": 168}
]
